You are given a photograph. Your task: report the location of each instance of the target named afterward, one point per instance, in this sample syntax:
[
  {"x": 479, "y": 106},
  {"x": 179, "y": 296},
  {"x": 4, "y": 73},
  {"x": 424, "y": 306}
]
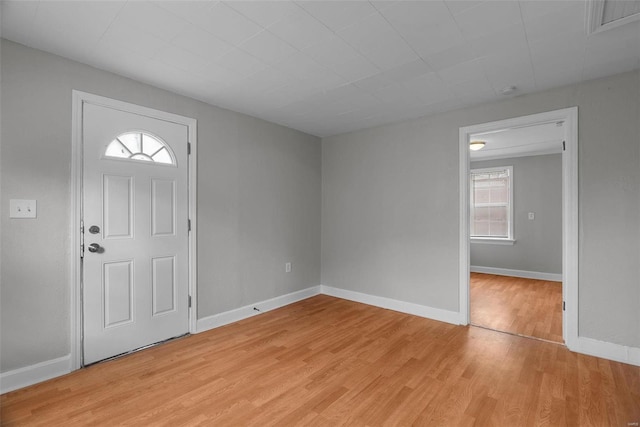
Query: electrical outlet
[
  {"x": 532, "y": 215},
  {"x": 20, "y": 208},
  {"x": 287, "y": 267}
]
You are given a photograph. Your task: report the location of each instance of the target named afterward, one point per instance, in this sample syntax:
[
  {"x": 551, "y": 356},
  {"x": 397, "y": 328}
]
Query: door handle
[{"x": 94, "y": 247}]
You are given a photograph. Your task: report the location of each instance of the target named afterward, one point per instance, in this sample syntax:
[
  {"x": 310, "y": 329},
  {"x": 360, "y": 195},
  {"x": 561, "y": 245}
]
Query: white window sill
[{"x": 490, "y": 241}]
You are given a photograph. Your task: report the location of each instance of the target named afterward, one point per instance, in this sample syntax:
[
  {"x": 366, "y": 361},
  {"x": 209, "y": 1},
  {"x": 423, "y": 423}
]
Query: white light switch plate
[
  {"x": 19, "y": 208},
  {"x": 532, "y": 215}
]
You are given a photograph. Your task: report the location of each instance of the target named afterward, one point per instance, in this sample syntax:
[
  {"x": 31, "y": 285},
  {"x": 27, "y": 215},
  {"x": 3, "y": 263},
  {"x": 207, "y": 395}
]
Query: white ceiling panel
[
  {"x": 267, "y": 47},
  {"x": 145, "y": 16},
  {"x": 340, "y": 15},
  {"x": 326, "y": 67},
  {"x": 264, "y": 13},
  {"x": 224, "y": 22},
  {"x": 241, "y": 62},
  {"x": 488, "y": 16},
  {"x": 300, "y": 30},
  {"x": 201, "y": 42},
  {"x": 120, "y": 36}
]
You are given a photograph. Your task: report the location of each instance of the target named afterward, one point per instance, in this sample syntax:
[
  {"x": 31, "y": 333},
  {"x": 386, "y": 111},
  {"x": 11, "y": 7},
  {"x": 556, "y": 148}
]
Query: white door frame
[
  {"x": 78, "y": 99},
  {"x": 569, "y": 212}
]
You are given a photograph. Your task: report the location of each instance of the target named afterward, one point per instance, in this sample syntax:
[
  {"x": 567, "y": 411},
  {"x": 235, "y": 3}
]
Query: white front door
[{"x": 135, "y": 212}]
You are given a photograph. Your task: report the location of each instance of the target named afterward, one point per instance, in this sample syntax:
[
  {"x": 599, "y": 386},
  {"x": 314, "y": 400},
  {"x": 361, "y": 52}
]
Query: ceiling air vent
[{"x": 607, "y": 14}]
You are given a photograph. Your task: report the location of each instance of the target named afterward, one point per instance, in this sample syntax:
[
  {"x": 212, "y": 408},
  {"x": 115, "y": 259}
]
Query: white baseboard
[
  {"x": 29, "y": 375},
  {"x": 247, "y": 311},
  {"x": 395, "y": 305},
  {"x": 607, "y": 350},
  {"x": 43, "y": 371},
  {"x": 517, "y": 273}
]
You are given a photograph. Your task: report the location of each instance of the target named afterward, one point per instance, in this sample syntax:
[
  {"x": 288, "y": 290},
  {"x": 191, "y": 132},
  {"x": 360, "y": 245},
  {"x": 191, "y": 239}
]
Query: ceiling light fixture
[{"x": 476, "y": 145}]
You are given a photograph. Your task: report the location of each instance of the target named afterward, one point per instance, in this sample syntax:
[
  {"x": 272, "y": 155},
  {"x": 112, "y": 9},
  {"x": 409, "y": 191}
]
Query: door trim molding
[
  {"x": 78, "y": 99},
  {"x": 569, "y": 209}
]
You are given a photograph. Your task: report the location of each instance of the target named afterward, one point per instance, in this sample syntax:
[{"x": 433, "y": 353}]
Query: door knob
[{"x": 94, "y": 247}]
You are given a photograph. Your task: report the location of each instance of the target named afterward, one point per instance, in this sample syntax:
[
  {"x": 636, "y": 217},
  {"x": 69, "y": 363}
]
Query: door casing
[
  {"x": 569, "y": 212},
  {"x": 79, "y": 98}
]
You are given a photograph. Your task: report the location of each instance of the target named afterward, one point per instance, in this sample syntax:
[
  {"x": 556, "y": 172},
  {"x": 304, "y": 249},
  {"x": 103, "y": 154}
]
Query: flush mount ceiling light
[{"x": 476, "y": 145}]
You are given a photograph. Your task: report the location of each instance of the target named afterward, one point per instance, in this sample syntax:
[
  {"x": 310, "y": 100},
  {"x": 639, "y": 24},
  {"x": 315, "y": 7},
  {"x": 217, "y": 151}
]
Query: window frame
[
  {"x": 510, "y": 238},
  {"x": 151, "y": 161}
]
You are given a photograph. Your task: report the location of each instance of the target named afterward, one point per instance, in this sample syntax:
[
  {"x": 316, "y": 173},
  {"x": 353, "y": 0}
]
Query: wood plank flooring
[
  {"x": 329, "y": 362},
  {"x": 519, "y": 306}
]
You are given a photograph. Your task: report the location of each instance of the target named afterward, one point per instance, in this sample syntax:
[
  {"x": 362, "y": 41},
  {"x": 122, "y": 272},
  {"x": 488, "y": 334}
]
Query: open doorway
[
  {"x": 518, "y": 246},
  {"x": 515, "y": 224}
]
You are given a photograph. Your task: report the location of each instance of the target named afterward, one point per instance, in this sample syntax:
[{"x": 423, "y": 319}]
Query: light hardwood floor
[
  {"x": 326, "y": 361},
  {"x": 519, "y": 306}
]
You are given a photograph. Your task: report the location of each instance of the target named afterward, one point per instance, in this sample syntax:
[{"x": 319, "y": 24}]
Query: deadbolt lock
[{"x": 94, "y": 229}]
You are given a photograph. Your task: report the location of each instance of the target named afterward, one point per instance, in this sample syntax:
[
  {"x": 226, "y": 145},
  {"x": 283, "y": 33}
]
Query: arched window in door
[{"x": 140, "y": 146}]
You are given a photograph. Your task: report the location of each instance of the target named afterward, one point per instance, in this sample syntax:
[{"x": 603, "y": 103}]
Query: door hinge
[
  {"x": 189, "y": 301},
  {"x": 188, "y": 225},
  {"x": 564, "y": 146},
  {"x": 81, "y": 239},
  {"x": 564, "y": 306},
  {"x": 188, "y": 148}
]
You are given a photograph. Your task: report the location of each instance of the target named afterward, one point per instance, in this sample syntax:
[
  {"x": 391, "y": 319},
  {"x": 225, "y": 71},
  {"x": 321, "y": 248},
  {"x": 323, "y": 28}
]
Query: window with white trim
[
  {"x": 491, "y": 203},
  {"x": 140, "y": 146}
]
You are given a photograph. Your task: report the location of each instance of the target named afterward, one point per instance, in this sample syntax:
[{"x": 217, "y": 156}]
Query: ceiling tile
[
  {"x": 509, "y": 68},
  {"x": 300, "y": 30},
  {"x": 565, "y": 17},
  {"x": 267, "y": 47},
  {"x": 149, "y": 18},
  {"x": 300, "y": 66},
  {"x": 374, "y": 82},
  {"x": 606, "y": 68},
  {"x": 69, "y": 16},
  {"x": 338, "y": 15},
  {"x": 463, "y": 72},
  {"x": 120, "y": 36},
  {"x": 227, "y": 24},
  {"x": 571, "y": 47},
  {"x": 474, "y": 90},
  {"x": 264, "y": 13},
  {"x": 241, "y": 62},
  {"x": 449, "y": 57},
  {"x": 435, "y": 38},
  {"x": 202, "y": 43},
  {"x": 371, "y": 34},
  {"x": 407, "y": 71},
  {"x": 191, "y": 11},
  {"x": 390, "y": 56},
  {"x": 181, "y": 59},
  {"x": 488, "y": 16},
  {"x": 509, "y": 38},
  {"x": 458, "y": 6},
  {"x": 429, "y": 88},
  {"x": 340, "y": 57},
  {"x": 414, "y": 16}
]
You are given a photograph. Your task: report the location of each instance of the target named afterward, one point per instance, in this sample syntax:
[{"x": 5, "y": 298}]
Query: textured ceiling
[{"x": 329, "y": 67}]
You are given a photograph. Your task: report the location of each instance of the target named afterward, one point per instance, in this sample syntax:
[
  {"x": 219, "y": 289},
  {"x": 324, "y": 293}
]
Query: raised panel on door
[
  {"x": 163, "y": 284},
  {"x": 163, "y": 207},
  {"x": 118, "y": 291},
  {"x": 117, "y": 202}
]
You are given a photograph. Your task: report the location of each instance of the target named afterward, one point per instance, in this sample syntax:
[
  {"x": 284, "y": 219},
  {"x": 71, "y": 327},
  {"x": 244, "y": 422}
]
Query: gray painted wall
[
  {"x": 537, "y": 187},
  {"x": 390, "y": 207},
  {"x": 258, "y": 201}
]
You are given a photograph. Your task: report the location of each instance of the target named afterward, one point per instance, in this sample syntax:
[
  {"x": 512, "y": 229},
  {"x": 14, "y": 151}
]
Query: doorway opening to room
[{"x": 519, "y": 225}]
